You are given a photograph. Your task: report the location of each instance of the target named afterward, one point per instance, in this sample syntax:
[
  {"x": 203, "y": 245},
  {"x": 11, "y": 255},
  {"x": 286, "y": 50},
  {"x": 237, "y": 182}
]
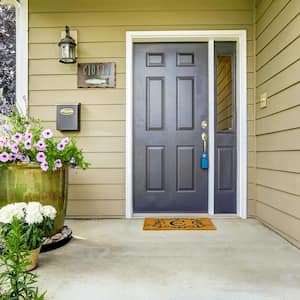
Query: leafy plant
[
  {"x": 15, "y": 281},
  {"x": 36, "y": 222},
  {"x": 24, "y": 140}
]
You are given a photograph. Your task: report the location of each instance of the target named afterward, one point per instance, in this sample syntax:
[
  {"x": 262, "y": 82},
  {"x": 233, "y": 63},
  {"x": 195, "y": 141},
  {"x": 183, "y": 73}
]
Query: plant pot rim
[{"x": 30, "y": 165}]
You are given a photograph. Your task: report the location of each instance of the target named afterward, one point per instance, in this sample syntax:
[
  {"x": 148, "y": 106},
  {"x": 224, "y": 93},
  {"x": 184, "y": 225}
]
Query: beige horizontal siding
[
  {"x": 269, "y": 15},
  {"x": 98, "y": 176},
  {"x": 284, "y": 120},
  {"x": 262, "y": 8},
  {"x": 281, "y": 222},
  {"x": 136, "y": 5},
  {"x": 284, "y": 38},
  {"x": 278, "y": 23},
  {"x": 283, "y": 60},
  {"x": 276, "y": 105},
  {"x": 96, "y": 192},
  {"x": 275, "y": 161},
  {"x": 251, "y": 208},
  {"x": 63, "y": 82},
  {"x": 278, "y": 125},
  {"x": 117, "y": 18},
  {"x": 109, "y": 160},
  {"x": 53, "y": 67},
  {"x": 281, "y": 81},
  {"x": 85, "y": 96},
  {"x": 279, "y": 141},
  {"x": 95, "y": 208},
  {"x": 101, "y": 28},
  {"x": 93, "y": 129},
  {"x": 95, "y": 34},
  {"x": 88, "y": 112},
  {"x": 282, "y": 201}
]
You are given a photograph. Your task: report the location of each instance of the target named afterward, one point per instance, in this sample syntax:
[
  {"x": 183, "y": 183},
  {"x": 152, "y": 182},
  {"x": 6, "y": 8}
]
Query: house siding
[
  {"x": 101, "y": 27},
  {"x": 278, "y": 125}
]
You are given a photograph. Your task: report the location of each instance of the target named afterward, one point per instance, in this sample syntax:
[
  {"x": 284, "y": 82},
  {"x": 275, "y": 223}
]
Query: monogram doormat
[{"x": 178, "y": 224}]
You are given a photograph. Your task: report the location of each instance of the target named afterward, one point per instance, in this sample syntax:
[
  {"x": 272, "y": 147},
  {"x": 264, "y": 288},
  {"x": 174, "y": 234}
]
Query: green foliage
[
  {"x": 15, "y": 282},
  {"x": 33, "y": 232},
  {"x": 58, "y": 153}
]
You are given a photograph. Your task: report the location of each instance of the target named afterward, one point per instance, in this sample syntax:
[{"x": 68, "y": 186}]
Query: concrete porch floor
[{"x": 118, "y": 260}]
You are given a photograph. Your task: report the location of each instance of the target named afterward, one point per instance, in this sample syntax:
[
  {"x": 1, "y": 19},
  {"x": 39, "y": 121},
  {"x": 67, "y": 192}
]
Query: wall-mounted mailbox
[{"x": 68, "y": 117}]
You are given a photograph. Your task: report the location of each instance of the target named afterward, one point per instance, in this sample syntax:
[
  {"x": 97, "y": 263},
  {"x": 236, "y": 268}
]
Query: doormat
[{"x": 178, "y": 224}]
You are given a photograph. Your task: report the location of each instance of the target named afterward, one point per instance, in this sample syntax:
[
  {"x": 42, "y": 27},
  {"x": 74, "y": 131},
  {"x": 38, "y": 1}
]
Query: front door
[{"x": 170, "y": 102}]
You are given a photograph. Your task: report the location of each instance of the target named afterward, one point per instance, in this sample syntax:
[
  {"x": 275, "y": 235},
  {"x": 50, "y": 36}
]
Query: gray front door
[{"x": 170, "y": 101}]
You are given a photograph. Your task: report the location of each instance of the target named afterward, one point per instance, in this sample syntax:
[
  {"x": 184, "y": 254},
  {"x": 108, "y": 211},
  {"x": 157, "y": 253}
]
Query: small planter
[
  {"x": 27, "y": 182},
  {"x": 33, "y": 258}
]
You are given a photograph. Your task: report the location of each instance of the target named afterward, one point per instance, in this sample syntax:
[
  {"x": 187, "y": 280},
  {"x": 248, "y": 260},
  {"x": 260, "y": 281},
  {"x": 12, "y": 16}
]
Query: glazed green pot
[
  {"x": 3, "y": 198},
  {"x": 27, "y": 182}
]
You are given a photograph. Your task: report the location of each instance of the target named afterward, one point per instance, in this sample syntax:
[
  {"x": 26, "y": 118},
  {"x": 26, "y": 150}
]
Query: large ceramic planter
[
  {"x": 27, "y": 182},
  {"x": 3, "y": 198}
]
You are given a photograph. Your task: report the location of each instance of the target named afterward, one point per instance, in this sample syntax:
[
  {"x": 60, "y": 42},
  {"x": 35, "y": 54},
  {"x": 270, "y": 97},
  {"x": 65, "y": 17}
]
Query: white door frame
[
  {"x": 209, "y": 36},
  {"x": 22, "y": 57}
]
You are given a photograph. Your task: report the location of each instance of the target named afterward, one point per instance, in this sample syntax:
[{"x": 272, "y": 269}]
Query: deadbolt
[{"x": 204, "y": 124}]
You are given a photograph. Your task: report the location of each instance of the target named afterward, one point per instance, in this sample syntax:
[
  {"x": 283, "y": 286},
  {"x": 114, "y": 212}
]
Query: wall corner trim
[{"x": 22, "y": 57}]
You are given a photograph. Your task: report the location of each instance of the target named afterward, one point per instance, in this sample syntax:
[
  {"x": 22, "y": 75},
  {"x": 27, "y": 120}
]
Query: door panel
[
  {"x": 170, "y": 101},
  {"x": 225, "y": 135},
  {"x": 155, "y": 102},
  {"x": 185, "y": 168},
  {"x": 185, "y": 103},
  {"x": 155, "y": 168}
]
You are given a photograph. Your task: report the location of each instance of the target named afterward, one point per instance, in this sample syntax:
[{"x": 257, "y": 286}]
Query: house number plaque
[{"x": 97, "y": 75}]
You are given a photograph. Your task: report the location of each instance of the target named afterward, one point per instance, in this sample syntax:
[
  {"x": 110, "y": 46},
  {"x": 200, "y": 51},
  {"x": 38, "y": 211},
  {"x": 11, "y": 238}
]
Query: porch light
[{"x": 67, "y": 47}]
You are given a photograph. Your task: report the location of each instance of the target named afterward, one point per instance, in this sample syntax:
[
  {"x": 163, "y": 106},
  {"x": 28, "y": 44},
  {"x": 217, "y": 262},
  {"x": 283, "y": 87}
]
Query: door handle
[
  {"x": 204, "y": 138},
  {"x": 204, "y": 154}
]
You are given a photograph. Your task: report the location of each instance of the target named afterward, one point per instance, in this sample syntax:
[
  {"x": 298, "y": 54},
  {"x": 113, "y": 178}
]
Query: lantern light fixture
[{"x": 67, "y": 48}]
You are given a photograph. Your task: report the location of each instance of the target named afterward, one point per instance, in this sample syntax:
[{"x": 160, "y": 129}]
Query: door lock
[
  {"x": 204, "y": 124},
  {"x": 204, "y": 154}
]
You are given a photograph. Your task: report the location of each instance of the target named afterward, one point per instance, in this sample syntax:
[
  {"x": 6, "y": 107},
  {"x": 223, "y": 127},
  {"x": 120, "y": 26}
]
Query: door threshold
[{"x": 184, "y": 215}]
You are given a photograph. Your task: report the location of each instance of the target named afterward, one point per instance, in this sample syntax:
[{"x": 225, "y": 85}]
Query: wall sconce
[{"x": 67, "y": 49}]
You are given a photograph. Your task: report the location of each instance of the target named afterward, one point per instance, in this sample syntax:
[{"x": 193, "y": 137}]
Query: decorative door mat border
[{"x": 178, "y": 224}]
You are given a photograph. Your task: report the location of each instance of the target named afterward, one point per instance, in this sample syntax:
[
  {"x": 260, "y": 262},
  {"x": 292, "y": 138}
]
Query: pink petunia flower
[
  {"x": 47, "y": 133},
  {"x": 28, "y": 136},
  {"x": 58, "y": 163},
  {"x": 60, "y": 147},
  {"x": 14, "y": 148},
  {"x": 12, "y": 157},
  {"x": 27, "y": 144},
  {"x": 65, "y": 141},
  {"x": 24, "y": 159},
  {"x": 17, "y": 137},
  {"x": 44, "y": 166},
  {"x": 4, "y": 157},
  {"x": 41, "y": 157},
  {"x": 4, "y": 141},
  {"x": 40, "y": 145}
]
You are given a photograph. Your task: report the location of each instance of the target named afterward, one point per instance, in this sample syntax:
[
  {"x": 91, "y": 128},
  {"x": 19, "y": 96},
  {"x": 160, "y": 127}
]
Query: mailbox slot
[{"x": 68, "y": 117}]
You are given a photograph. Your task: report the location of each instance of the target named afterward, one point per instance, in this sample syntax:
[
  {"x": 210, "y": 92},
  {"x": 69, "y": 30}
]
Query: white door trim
[
  {"x": 22, "y": 57},
  {"x": 209, "y": 36}
]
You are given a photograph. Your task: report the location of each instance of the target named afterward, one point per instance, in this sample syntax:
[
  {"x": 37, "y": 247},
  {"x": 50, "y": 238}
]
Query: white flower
[
  {"x": 5, "y": 287},
  {"x": 8, "y": 212},
  {"x": 34, "y": 213},
  {"x": 21, "y": 205},
  {"x": 49, "y": 211},
  {"x": 20, "y": 208}
]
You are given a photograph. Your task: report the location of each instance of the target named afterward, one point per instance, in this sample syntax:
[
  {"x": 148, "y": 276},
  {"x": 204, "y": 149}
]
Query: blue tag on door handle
[{"x": 204, "y": 160}]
